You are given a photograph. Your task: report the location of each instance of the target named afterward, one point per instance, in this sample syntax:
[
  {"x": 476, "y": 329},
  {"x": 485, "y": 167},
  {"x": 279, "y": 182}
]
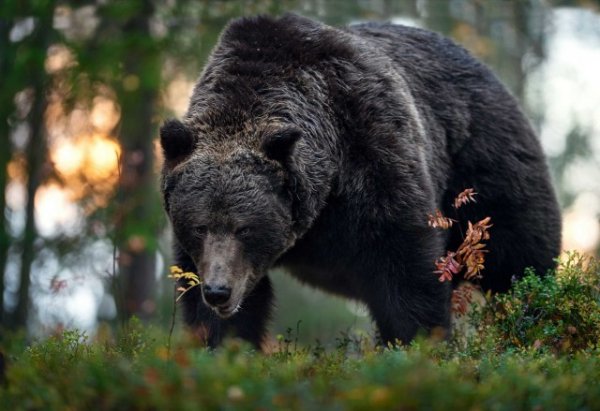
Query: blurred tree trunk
[
  {"x": 36, "y": 159},
  {"x": 4, "y": 236},
  {"x": 500, "y": 33},
  {"x": 6, "y": 109},
  {"x": 439, "y": 18},
  {"x": 137, "y": 226},
  {"x": 35, "y": 153}
]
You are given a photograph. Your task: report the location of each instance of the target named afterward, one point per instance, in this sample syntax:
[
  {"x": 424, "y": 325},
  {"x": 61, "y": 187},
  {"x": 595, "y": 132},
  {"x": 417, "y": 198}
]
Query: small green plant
[
  {"x": 558, "y": 312},
  {"x": 71, "y": 372}
]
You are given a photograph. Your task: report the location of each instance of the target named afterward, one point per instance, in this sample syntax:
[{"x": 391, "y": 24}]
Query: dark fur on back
[{"x": 360, "y": 133}]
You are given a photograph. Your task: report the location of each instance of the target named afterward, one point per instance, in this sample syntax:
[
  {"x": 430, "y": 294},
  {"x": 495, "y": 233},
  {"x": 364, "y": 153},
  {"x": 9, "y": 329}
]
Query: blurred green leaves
[{"x": 504, "y": 366}]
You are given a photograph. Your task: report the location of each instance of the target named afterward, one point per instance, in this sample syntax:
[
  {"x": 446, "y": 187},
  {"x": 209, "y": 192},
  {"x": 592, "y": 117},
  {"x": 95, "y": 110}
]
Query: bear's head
[{"x": 230, "y": 207}]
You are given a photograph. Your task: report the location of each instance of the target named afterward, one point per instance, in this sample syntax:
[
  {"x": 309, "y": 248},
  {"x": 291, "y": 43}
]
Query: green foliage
[
  {"x": 558, "y": 312},
  {"x": 525, "y": 355},
  {"x": 65, "y": 372}
]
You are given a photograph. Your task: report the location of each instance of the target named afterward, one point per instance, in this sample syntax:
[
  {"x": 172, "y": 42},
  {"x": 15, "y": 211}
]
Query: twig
[
  {"x": 297, "y": 334},
  {"x": 173, "y": 316}
]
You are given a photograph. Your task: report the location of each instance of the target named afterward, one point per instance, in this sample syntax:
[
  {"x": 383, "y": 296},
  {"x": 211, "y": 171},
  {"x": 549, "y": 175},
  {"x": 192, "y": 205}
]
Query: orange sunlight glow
[
  {"x": 158, "y": 155},
  {"x": 105, "y": 114},
  {"x": 82, "y": 149},
  {"x": 88, "y": 166},
  {"x": 55, "y": 212},
  {"x": 177, "y": 94},
  {"x": 59, "y": 57},
  {"x": 581, "y": 228}
]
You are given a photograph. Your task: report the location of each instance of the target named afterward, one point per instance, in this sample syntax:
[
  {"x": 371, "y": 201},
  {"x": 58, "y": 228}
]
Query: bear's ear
[
  {"x": 176, "y": 139},
  {"x": 279, "y": 145}
]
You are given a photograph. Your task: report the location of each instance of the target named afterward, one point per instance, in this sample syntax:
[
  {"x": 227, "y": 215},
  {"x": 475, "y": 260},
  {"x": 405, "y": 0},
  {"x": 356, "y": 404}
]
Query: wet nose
[{"x": 216, "y": 295}]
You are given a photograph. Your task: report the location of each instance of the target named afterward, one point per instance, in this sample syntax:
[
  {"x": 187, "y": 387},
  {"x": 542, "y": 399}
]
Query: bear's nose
[{"x": 216, "y": 295}]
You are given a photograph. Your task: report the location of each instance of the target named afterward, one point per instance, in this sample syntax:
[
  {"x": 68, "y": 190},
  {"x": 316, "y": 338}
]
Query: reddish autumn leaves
[
  {"x": 438, "y": 220},
  {"x": 472, "y": 250},
  {"x": 469, "y": 258},
  {"x": 462, "y": 297},
  {"x": 448, "y": 266},
  {"x": 468, "y": 195}
]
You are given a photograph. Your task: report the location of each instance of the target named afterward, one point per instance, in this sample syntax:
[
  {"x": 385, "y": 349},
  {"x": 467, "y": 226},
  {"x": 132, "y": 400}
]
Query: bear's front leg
[
  {"x": 201, "y": 320},
  {"x": 407, "y": 297},
  {"x": 400, "y": 316},
  {"x": 249, "y": 322}
]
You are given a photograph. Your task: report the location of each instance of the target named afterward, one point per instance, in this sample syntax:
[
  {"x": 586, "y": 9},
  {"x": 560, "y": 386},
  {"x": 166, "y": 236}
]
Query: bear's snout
[{"x": 216, "y": 295}]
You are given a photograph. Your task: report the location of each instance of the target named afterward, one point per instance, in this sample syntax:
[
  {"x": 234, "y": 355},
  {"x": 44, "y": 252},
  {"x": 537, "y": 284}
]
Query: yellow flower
[{"x": 193, "y": 279}]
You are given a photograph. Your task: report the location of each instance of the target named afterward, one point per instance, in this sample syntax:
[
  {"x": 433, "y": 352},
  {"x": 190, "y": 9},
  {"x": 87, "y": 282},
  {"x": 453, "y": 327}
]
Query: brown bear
[{"x": 323, "y": 150}]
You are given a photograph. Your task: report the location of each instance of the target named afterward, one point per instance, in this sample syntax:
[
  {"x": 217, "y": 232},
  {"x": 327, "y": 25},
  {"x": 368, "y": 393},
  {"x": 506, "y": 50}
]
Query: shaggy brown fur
[{"x": 323, "y": 150}]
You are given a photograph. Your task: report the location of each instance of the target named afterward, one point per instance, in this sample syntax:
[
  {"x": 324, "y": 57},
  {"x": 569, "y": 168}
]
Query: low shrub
[
  {"x": 559, "y": 312},
  {"x": 535, "y": 348}
]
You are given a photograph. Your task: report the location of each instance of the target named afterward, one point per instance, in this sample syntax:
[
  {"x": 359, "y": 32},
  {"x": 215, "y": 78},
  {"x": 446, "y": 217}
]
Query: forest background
[{"x": 84, "y": 86}]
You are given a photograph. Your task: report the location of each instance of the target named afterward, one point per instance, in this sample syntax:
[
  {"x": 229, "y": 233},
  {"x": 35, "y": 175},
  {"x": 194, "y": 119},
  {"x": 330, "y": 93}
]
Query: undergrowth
[{"x": 535, "y": 348}]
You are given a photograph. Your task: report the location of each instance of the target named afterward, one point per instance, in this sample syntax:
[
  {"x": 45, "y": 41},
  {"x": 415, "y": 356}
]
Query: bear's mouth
[{"x": 228, "y": 310}]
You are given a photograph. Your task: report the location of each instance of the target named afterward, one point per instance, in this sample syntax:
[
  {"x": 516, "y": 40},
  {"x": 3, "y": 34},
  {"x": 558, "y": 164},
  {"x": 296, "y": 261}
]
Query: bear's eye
[
  {"x": 200, "y": 231},
  {"x": 243, "y": 232}
]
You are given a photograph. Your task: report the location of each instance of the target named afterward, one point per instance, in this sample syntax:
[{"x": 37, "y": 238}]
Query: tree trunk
[
  {"x": 35, "y": 156},
  {"x": 138, "y": 226},
  {"x": 6, "y": 108},
  {"x": 4, "y": 237}
]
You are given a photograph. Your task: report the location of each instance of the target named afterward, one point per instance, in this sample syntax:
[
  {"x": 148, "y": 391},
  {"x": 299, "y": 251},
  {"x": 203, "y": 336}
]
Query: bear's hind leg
[
  {"x": 525, "y": 232},
  {"x": 400, "y": 317},
  {"x": 410, "y": 298}
]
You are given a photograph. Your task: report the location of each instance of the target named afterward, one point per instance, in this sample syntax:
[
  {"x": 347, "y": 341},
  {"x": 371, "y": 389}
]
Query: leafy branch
[{"x": 469, "y": 258}]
